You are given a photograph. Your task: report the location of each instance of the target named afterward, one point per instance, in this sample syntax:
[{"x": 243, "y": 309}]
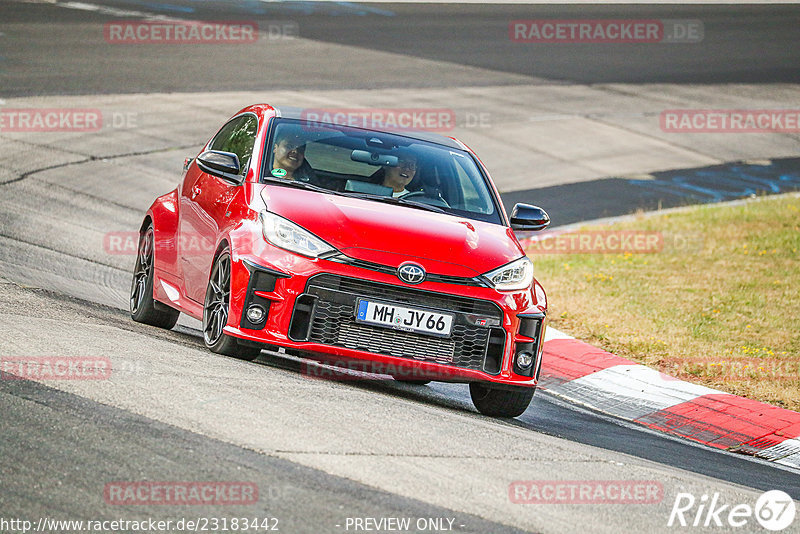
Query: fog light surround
[
  {"x": 256, "y": 314},
  {"x": 524, "y": 360}
]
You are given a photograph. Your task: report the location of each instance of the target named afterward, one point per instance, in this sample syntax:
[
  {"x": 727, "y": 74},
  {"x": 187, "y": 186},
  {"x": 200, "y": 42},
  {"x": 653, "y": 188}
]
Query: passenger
[
  {"x": 399, "y": 177},
  {"x": 289, "y": 161}
]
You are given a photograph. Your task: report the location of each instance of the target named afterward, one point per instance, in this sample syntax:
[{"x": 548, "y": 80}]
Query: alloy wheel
[
  {"x": 143, "y": 270},
  {"x": 215, "y": 313}
]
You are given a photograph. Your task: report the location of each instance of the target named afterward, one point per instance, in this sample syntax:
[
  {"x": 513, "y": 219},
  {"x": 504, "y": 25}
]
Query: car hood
[{"x": 389, "y": 235}]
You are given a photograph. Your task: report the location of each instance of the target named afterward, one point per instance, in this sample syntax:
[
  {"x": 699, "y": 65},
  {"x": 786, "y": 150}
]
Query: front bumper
[{"x": 310, "y": 306}]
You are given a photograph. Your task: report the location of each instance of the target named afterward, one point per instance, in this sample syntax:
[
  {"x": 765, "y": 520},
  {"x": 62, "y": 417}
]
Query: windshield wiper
[
  {"x": 393, "y": 200},
  {"x": 354, "y": 194},
  {"x": 301, "y": 185}
]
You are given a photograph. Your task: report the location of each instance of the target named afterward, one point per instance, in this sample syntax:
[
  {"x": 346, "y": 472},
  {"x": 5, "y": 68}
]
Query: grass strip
[{"x": 709, "y": 294}]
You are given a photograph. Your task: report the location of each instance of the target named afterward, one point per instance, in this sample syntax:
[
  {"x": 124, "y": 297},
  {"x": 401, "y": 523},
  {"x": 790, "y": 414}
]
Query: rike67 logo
[{"x": 774, "y": 510}]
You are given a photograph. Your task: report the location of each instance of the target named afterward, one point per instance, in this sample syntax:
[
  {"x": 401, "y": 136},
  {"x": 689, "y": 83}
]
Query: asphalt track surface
[
  {"x": 756, "y": 44},
  {"x": 600, "y": 198},
  {"x": 322, "y": 451}
]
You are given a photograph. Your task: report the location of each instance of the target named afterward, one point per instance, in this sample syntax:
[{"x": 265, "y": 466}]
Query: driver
[
  {"x": 289, "y": 161},
  {"x": 399, "y": 177}
]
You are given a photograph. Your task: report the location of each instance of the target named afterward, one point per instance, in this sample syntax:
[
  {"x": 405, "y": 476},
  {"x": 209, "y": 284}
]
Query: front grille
[
  {"x": 429, "y": 277},
  {"x": 332, "y": 322}
]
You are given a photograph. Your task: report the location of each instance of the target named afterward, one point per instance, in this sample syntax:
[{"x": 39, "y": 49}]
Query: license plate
[{"x": 403, "y": 318}]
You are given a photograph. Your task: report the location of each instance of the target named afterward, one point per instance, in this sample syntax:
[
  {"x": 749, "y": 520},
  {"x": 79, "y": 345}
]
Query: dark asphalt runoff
[
  {"x": 47, "y": 49},
  {"x": 615, "y": 196}
]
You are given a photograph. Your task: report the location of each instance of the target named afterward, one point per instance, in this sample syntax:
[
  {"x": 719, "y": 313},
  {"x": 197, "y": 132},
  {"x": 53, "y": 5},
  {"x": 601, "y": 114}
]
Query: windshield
[{"x": 379, "y": 166}]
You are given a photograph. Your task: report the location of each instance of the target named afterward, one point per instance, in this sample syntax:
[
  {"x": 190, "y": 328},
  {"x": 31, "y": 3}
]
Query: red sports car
[{"x": 388, "y": 249}]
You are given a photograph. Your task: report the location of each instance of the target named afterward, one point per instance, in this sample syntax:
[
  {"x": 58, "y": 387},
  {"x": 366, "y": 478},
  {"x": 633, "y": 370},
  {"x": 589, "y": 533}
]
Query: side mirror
[
  {"x": 525, "y": 217},
  {"x": 224, "y": 165}
]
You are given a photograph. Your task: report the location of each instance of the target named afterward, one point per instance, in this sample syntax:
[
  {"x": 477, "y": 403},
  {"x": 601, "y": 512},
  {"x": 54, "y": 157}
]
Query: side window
[
  {"x": 475, "y": 198},
  {"x": 238, "y": 136}
]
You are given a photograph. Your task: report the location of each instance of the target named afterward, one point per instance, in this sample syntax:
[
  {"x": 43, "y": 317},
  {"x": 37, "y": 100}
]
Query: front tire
[
  {"x": 496, "y": 402},
  {"x": 144, "y": 308},
  {"x": 215, "y": 313}
]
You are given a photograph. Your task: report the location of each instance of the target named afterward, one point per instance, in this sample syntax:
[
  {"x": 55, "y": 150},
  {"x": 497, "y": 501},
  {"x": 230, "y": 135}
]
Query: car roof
[{"x": 449, "y": 142}]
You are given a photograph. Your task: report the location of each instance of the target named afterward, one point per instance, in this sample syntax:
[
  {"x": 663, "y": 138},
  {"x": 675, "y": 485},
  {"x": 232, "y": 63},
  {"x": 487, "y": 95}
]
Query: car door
[{"x": 204, "y": 201}]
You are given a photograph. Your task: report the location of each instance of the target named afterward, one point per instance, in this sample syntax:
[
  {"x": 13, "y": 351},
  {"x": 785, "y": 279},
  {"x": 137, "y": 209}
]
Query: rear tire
[
  {"x": 215, "y": 313},
  {"x": 496, "y": 402},
  {"x": 144, "y": 308}
]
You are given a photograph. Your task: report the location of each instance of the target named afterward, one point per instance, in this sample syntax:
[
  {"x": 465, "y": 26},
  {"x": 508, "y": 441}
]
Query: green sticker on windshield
[{"x": 278, "y": 173}]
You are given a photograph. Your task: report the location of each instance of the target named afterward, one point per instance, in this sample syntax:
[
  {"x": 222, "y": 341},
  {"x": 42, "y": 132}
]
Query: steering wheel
[{"x": 434, "y": 200}]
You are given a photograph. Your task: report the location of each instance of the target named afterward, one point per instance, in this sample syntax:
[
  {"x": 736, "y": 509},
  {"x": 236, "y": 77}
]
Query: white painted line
[
  {"x": 632, "y": 391},
  {"x": 791, "y": 461},
  {"x": 786, "y": 453},
  {"x": 81, "y": 6},
  {"x": 645, "y": 384},
  {"x": 115, "y": 12},
  {"x": 551, "y": 333},
  {"x": 577, "y": 2},
  {"x": 668, "y": 211}
]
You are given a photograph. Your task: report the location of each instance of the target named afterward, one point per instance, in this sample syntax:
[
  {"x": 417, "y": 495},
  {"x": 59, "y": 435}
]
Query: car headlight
[
  {"x": 285, "y": 234},
  {"x": 513, "y": 276}
]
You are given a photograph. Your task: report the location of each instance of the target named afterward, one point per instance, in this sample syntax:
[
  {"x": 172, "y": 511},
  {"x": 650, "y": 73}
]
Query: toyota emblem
[{"x": 411, "y": 273}]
